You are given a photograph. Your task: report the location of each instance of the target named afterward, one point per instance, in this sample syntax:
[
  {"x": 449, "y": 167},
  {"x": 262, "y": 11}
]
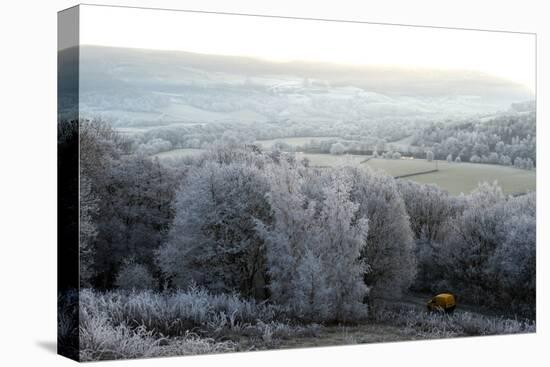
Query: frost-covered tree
[
  {"x": 89, "y": 208},
  {"x": 381, "y": 145},
  {"x": 529, "y": 164},
  {"x": 134, "y": 214},
  {"x": 337, "y": 149},
  {"x": 493, "y": 158},
  {"x": 154, "y": 146},
  {"x": 491, "y": 250},
  {"x": 390, "y": 245},
  {"x": 486, "y": 194},
  {"x": 505, "y": 160},
  {"x": 314, "y": 245},
  {"x": 429, "y": 156},
  {"x": 458, "y": 159},
  {"x": 514, "y": 261},
  {"x": 311, "y": 292},
  {"x": 509, "y": 134},
  {"x": 287, "y": 236},
  {"x": 396, "y": 155},
  {"x": 430, "y": 274},
  {"x": 133, "y": 195},
  {"x": 429, "y": 207},
  {"x": 499, "y": 147},
  {"x": 213, "y": 241},
  {"x": 343, "y": 236},
  {"x": 429, "y": 210},
  {"x": 99, "y": 146},
  {"x": 134, "y": 276},
  {"x": 450, "y": 158}
]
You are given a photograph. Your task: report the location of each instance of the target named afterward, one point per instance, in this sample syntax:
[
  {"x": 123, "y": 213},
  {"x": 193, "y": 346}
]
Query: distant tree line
[
  {"x": 360, "y": 136},
  {"x": 508, "y": 140}
]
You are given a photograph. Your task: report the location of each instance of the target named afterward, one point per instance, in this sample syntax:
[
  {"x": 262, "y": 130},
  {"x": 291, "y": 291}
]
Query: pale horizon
[{"x": 509, "y": 56}]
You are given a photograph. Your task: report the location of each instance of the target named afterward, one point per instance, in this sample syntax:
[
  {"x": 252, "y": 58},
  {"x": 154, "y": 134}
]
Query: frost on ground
[
  {"x": 402, "y": 323},
  {"x": 441, "y": 325},
  {"x": 119, "y": 325}
]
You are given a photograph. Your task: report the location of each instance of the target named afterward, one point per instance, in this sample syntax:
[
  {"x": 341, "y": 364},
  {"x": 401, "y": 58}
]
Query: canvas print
[{"x": 238, "y": 183}]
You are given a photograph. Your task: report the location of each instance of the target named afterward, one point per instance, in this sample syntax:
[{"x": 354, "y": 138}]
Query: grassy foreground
[{"x": 117, "y": 325}]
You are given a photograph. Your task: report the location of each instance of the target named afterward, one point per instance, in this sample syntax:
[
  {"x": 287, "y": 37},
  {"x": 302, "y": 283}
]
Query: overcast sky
[{"x": 507, "y": 55}]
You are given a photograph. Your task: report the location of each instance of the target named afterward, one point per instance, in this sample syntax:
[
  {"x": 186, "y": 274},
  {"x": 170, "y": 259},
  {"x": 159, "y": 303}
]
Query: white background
[
  {"x": 507, "y": 55},
  {"x": 28, "y": 182}
]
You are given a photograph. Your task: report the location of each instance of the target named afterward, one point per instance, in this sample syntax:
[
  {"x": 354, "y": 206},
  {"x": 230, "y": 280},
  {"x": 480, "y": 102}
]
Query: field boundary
[{"x": 417, "y": 173}]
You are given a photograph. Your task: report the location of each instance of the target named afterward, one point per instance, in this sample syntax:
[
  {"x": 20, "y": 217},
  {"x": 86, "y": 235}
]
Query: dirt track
[
  {"x": 375, "y": 332},
  {"x": 419, "y": 300},
  {"x": 346, "y": 335}
]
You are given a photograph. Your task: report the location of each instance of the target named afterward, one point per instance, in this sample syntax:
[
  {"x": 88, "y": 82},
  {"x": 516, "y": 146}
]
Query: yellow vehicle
[{"x": 443, "y": 302}]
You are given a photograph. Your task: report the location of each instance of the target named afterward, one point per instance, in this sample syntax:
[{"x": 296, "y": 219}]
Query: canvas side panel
[{"x": 68, "y": 183}]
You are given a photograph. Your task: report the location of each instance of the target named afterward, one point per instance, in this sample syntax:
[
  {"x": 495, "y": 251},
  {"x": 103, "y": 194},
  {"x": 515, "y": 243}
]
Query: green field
[
  {"x": 330, "y": 160},
  {"x": 453, "y": 177}
]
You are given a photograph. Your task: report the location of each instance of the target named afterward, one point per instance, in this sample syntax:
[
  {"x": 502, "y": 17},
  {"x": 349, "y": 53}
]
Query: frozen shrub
[
  {"x": 121, "y": 324},
  {"x": 172, "y": 314},
  {"x": 100, "y": 340}
]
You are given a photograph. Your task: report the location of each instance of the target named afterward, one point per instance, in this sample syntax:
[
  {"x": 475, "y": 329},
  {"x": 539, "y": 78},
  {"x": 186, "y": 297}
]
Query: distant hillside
[
  {"x": 144, "y": 87},
  {"x": 507, "y": 138}
]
